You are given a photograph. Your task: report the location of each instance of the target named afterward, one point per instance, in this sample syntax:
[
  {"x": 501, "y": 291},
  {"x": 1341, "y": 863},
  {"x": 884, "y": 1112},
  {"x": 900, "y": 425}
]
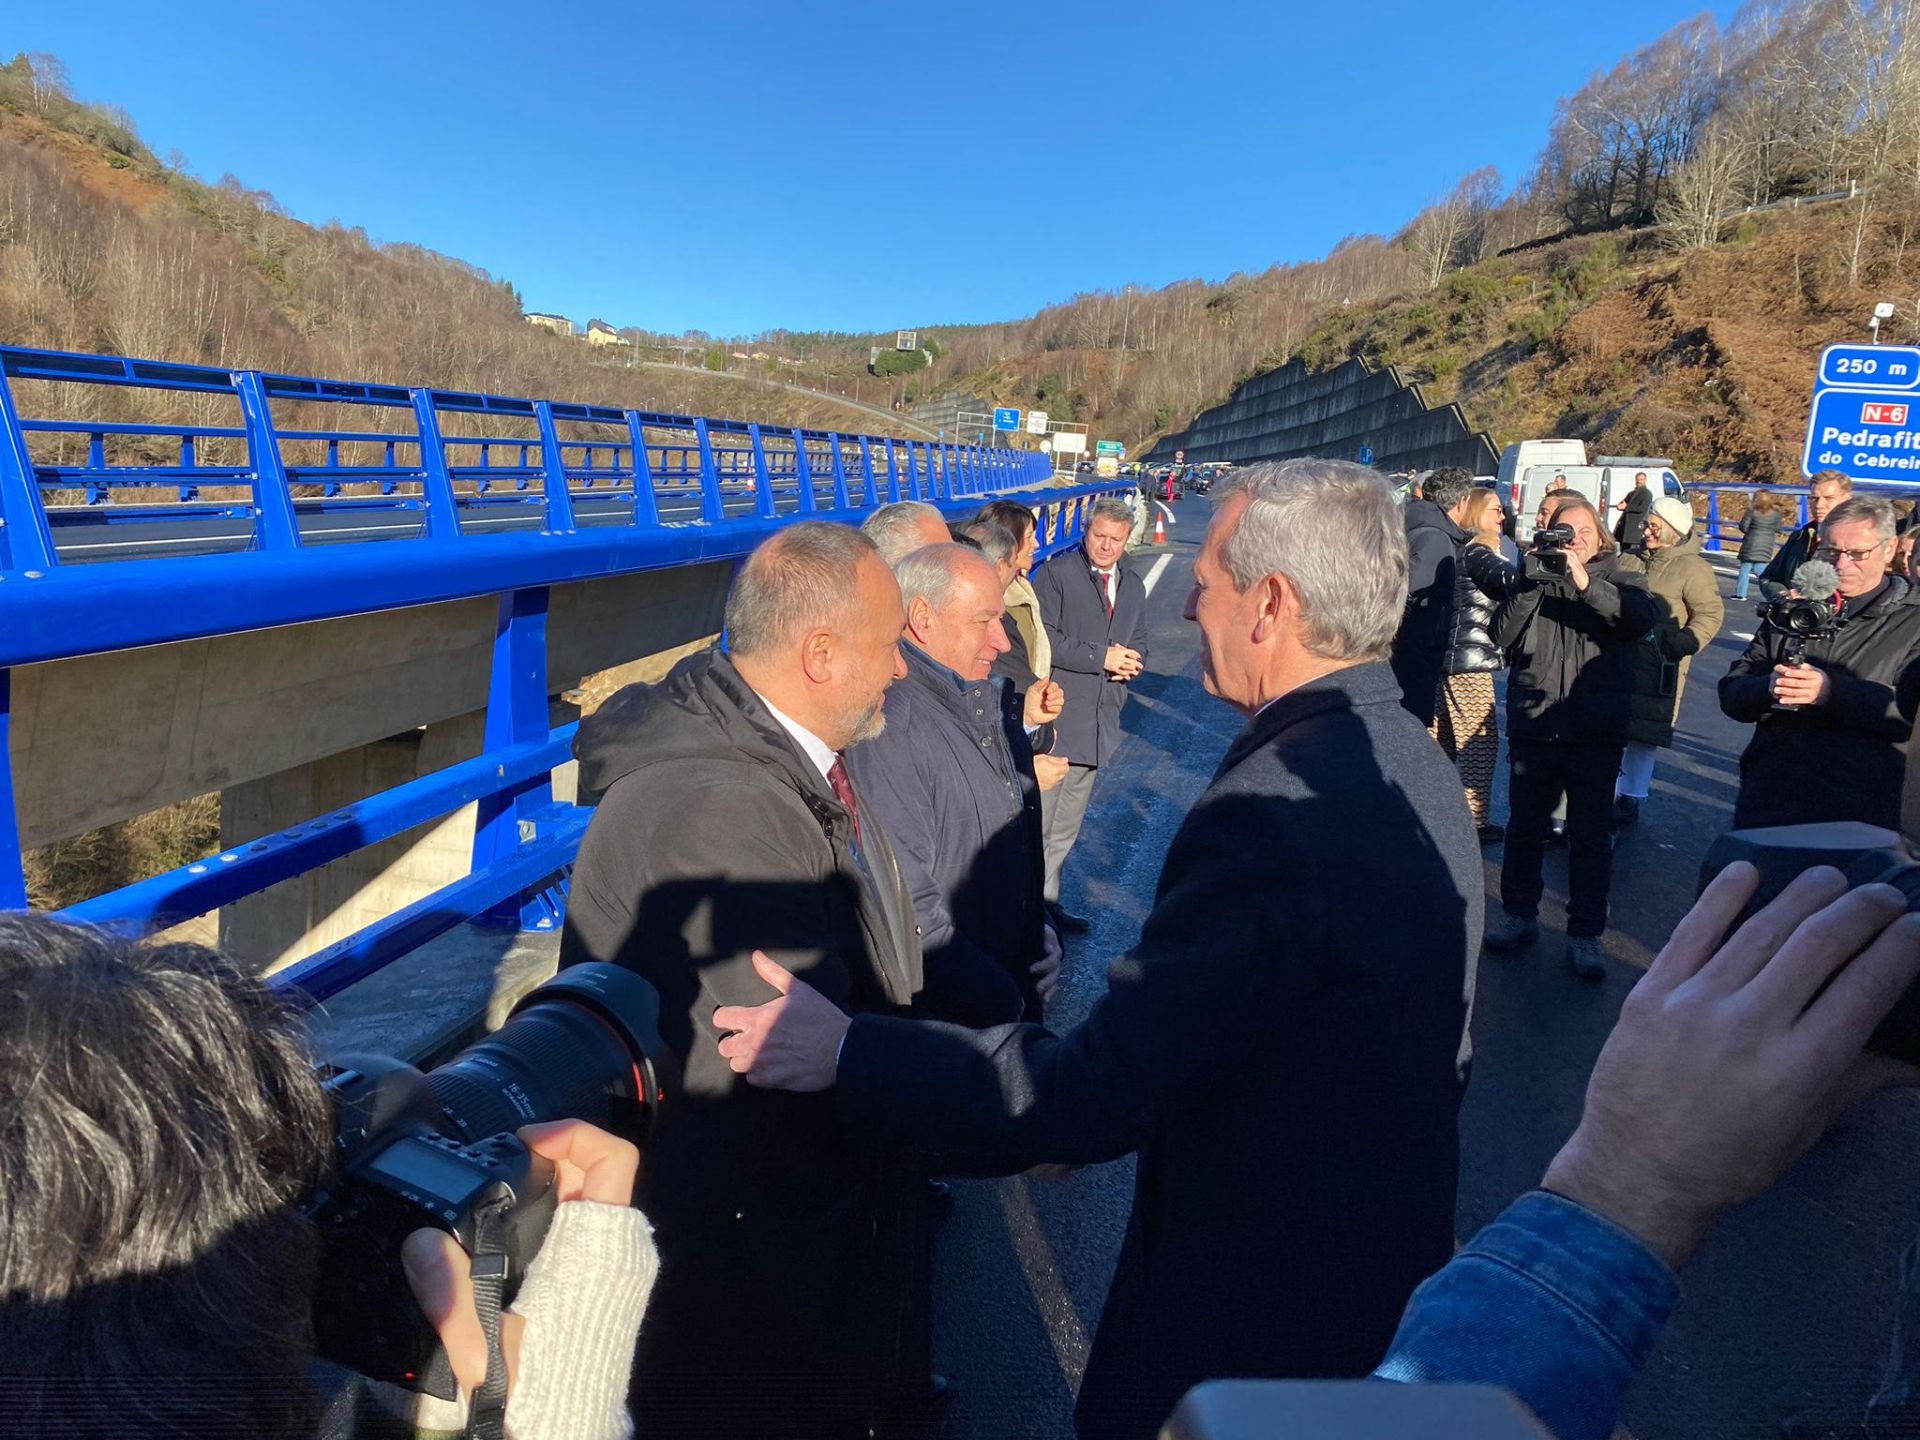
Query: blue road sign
[
  {"x": 1365, "y": 457},
  {"x": 1006, "y": 419},
  {"x": 1865, "y": 420}
]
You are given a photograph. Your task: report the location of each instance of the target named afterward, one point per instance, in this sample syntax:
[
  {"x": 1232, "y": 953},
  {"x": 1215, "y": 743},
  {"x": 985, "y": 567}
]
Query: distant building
[
  {"x": 558, "y": 324},
  {"x": 601, "y": 333}
]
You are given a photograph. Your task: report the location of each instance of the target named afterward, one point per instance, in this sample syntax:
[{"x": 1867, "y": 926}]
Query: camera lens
[{"x": 584, "y": 1046}]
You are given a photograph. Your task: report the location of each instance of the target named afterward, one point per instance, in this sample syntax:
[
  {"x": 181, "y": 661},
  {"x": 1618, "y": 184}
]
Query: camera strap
[{"x": 486, "y": 1410}]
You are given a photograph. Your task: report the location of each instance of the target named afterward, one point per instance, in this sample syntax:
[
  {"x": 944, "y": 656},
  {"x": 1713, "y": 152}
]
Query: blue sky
[{"x": 734, "y": 165}]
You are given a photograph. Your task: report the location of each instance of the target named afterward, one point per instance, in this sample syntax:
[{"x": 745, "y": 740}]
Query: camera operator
[
  {"x": 160, "y": 1124},
  {"x": 1833, "y": 708},
  {"x": 1570, "y": 627}
]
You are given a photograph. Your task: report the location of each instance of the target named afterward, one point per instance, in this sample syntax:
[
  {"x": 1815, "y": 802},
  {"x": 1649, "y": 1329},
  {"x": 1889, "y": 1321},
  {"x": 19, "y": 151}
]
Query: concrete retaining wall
[{"x": 1287, "y": 413}]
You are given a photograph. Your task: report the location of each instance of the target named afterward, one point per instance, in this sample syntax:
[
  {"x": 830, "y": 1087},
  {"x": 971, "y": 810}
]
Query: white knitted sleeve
[{"x": 583, "y": 1299}]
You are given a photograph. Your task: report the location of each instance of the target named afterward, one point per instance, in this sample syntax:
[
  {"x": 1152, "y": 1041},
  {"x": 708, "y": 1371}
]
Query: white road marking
[{"x": 1156, "y": 571}]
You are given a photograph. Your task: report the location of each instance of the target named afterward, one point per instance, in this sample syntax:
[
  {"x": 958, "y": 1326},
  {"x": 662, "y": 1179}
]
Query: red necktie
[
  {"x": 1106, "y": 590},
  {"x": 843, "y": 792}
]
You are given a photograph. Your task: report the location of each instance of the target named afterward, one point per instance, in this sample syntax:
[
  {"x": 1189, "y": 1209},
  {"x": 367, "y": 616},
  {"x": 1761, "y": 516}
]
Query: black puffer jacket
[
  {"x": 1483, "y": 578},
  {"x": 1573, "y": 654}
]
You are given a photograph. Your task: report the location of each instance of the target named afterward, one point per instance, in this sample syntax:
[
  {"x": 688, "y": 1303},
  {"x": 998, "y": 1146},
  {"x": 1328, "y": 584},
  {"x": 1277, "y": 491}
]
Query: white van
[
  {"x": 1605, "y": 482},
  {"x": 1536, "y": 480},
  {"x": 1523, "y": 455}
]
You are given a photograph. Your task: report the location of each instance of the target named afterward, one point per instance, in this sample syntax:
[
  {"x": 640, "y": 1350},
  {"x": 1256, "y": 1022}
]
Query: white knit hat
[{"x": 1677, "y": 513}]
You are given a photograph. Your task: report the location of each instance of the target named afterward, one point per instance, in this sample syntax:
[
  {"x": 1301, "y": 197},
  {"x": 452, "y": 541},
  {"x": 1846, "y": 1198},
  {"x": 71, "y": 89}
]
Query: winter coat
[
  {"x": 716, "y": 836},
  {"x": 951, "y": 781},
  {"x": 1481, "y": 580},
  {"x": 1844, "y": 759},
  {"x": 1777, "y": 578},
  {"x": 1281, "y": 1048},
  {"x": 1684, "y": 586},
  {"x": 1079, "y": 631},
  {"x": 1760, "y": 536},
  {"x": 1426, "y": 627},
  {"x": 1633, "y": 520},
  {"x": 1572, "y": 654}
]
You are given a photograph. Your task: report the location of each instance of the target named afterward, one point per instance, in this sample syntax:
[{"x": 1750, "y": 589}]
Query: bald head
[{"x": 803, "y": 577}]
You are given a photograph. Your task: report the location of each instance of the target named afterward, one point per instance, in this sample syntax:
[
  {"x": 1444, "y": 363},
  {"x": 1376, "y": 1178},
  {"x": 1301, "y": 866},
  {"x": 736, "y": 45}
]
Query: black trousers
[{"x": 1541, "y": 773}]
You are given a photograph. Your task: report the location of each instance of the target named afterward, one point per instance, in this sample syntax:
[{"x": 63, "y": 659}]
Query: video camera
[
  {"x": 439, "y": 1150},
  {"x": 1546, "y": 557},
  {"x": 1865, "y": 854}
]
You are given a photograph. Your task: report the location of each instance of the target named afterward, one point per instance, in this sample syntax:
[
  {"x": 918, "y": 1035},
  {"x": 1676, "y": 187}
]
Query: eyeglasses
[{"x": 1832, "y": 554}]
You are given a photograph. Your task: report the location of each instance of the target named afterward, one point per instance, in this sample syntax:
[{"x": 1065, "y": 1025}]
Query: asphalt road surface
[{"x": 1785, "y": 1312}]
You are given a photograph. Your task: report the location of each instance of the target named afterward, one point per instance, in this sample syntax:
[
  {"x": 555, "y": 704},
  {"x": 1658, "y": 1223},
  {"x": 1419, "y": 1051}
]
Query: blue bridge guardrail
[{"x": 486, "y": 495}]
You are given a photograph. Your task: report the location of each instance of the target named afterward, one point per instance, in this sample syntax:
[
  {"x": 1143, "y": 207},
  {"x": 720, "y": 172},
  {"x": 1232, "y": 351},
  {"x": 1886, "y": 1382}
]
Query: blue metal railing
[
  {"x": 514, "y": 500},
  {"x": 1724, "y": 534}
]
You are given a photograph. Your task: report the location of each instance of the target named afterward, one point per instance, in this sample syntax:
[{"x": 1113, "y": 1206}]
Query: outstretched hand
[
  {"x": 1732, "y": 1056},
  {"x": 790, "y": 1043}
]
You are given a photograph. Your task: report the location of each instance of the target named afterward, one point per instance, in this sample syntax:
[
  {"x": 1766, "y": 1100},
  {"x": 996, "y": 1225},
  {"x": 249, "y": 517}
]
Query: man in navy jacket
[
  {"x": 1282, "y": 1045},
  {"x": 1095, "y": 611}
]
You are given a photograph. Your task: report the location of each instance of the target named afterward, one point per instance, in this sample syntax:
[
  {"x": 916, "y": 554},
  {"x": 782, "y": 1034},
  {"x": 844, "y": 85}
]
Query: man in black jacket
[
  {"x": 1570, "y": 634},
  {"x": 1831, "y": 733},
  {"x": 951, "y": 782},
  {"x": 1281, "y": 1046},
  {"x": 1434, "y": 543},
  {"x": 1827, "y": 489},
  {"x": 1095, "y": 612},
  {"x": 726, "y": 825}
]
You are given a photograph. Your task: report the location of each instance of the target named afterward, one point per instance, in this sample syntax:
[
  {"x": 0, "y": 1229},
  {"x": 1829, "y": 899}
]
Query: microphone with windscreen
[{"x": 1806, "y": 615}]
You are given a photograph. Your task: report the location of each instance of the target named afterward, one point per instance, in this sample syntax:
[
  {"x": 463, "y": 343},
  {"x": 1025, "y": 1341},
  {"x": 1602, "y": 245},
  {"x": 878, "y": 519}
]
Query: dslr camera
[
  {"x": 438, "y": 1150},
  {"x": 1801, "y": 618},
  {"x": 1546, "y": 557}
]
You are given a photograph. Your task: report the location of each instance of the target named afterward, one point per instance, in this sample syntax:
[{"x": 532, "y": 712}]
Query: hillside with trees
[{"x": 106, "y": 247}]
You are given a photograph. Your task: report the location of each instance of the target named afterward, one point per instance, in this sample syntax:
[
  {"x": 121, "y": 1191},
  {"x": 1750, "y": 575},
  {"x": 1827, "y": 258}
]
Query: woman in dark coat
[
  {"x": 1467, "y": 719},
  {"x": 1759, "y": 538}
]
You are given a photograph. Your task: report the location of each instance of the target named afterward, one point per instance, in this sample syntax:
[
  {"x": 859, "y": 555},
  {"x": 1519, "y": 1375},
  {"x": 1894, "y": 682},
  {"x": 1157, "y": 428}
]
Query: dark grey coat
[
  {"x": 954, "y": 791},
  {"x": 1088, "y": 730},
  {"x": 1281, "y": 1048},
  {"x": 1426, "y": 628},
  {"x": 715, "y": 836},
  {"x": 1846, "y": 758}
]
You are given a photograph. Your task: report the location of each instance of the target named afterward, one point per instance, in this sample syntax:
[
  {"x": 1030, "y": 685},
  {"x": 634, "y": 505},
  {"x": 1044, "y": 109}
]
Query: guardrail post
[
  {"x": 762, "y": 477},
  {"x": 711, "y": 507},
  {"x": 893, "y": 472},
  {"x": 943, "y": 486},
  {"x": 868, "y": 496},
  {"x": 646, "y": 506},
  {"x": 26, "y": 541},
  {"x": 915, "y": 468},
  {"x": 554, "y": 472},
  {"x": 13, "y": 874},
  {"x": 1713, "y": 520},
  {"x": 803, "y": 473},
  {"x": 275, "y": 525},
  {"x": 443, "y": 514},
  {"x": 841, "y": 501},
  {"x": 517, "y": 713}
]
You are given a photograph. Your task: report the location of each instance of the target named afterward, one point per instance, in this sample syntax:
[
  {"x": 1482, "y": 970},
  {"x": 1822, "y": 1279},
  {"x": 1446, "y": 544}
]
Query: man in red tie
[
  {"x": 726, "y": 824},
  {"x": 1095, "y": 612}
]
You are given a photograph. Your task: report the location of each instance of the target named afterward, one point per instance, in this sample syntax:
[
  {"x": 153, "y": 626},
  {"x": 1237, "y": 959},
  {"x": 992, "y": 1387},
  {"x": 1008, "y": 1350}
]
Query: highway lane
[{"x": 1784, "y": 1313}]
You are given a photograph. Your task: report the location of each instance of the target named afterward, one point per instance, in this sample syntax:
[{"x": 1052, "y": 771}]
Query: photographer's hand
[
  {"x": 1799, "y": 685},
  {"x": 588, "y": 1164},
  {"x": 1577, "y": 573},
  {"x": 1732, "y": 1056}
]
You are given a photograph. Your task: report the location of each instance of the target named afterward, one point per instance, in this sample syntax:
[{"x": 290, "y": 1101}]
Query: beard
[{"x": 867, "y": 724}]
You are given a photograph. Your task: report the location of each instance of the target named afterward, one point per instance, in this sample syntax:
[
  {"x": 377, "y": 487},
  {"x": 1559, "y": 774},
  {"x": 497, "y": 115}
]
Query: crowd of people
[{"x": 833, "y": 844}]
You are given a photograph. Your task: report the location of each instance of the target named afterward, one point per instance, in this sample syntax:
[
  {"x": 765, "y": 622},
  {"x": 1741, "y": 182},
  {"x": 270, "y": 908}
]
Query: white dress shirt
[{"x": 811, "y": 745}]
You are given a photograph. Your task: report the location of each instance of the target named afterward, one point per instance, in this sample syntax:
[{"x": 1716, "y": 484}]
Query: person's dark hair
[
  {"x": 160, "y": 1119},
  {"x": 1574, "y": 500},
  {"x": 1012, "y": 514},
  {"x": 1447, "y": 486}
]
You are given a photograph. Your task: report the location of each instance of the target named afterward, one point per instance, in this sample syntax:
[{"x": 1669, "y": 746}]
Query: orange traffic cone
[{"x": 1159, "y": 527}]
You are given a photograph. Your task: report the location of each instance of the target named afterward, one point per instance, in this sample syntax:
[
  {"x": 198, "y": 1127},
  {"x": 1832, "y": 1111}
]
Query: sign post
[{"x": 1865, "y": 420}]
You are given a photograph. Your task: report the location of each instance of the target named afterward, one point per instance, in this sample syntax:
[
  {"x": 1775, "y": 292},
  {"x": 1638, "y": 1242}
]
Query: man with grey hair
[
  {"x": 899, "y": 529},
  {"x": 1282, "y": 1044},
  {"x": 1833, "y": 714},
  {"x": 1094, "y": 609},
  {"x": 951, "y": 781},
  {"x": 727, "y": 825}
]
